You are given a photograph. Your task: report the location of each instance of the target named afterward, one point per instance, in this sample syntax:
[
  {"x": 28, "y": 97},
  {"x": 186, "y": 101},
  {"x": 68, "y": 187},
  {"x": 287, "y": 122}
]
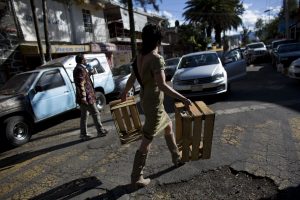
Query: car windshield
[
  {"x": 255, "y": 46},
  {"x": 19, "y": 83},
  {"x": 199, "y": 60},
  {"x": 122, "y": 70},
  {"x": 173, "y": 61},
  {"x": 289, "y": 48}
]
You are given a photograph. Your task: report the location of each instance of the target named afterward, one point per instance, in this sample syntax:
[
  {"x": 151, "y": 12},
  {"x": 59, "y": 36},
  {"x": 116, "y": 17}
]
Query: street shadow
[
  {"x": 19, "y": 158},
  {"x": 69, "y": 190},
  {"x": 70, "y": 115},
  {"x": 290, "y": 193},
  {"x": 121, "y": 190}
]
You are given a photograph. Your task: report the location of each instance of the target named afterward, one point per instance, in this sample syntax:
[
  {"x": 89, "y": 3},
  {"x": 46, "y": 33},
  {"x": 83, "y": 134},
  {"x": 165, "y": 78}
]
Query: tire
[
  {"x": 100, "y": 100},
  {"x": 18, "y": 130}
]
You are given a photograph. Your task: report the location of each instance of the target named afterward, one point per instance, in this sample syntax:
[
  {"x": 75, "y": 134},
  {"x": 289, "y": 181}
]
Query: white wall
[
  {"x": 65, "y": 25},
  {"x": 58, "y": 25},
  {"x": 100, "y": 33}
]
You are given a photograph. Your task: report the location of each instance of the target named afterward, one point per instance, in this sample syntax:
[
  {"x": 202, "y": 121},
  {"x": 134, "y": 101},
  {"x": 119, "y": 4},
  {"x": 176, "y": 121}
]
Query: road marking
[{"x": 255, "y": 107}]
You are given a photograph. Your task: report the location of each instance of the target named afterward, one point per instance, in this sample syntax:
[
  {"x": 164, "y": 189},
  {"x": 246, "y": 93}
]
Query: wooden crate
[
  {"x": 194, "y": 130},
  {"x": 127, "y": 119}
]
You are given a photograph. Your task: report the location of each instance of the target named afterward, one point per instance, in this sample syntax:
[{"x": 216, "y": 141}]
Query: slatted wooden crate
[
  {"x": 127, "y": 119},
  {"x": 194, "y": 130}
]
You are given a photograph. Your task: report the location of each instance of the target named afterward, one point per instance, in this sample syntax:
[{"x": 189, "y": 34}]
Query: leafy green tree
[
  {"x": 245, "y": 36},
  {"x": 259, "y": 26},
  {"x": 192, "y": 37},
  {"x": 220, "y": 15}
]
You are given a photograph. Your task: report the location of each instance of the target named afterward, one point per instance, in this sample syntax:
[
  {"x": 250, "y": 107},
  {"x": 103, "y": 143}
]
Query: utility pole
[
  {"x": 286, "y": 14},
  {"x": 132, "y": 29},
  {"x": 37, "y": 32},
  {"x": 46, "y": 31}
]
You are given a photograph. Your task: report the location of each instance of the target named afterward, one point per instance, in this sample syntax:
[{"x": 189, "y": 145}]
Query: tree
[
  {"x": 245, "y": 36},
  {"x": 143, "y": 3},
  {"x": 37, "y": 32},
  {"x": 259, "y": 26},
  {"x": 45, "y": 19},
  {"x": 221, "y": 15},
  {"x": 192, "y": 37}
]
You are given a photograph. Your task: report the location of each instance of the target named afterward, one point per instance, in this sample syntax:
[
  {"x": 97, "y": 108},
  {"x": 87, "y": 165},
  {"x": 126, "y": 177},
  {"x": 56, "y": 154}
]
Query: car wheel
[
  {"x": 17, "y": 130},
  {"x": 100, "y": 100},
  {"x": 131, "y": 92}
]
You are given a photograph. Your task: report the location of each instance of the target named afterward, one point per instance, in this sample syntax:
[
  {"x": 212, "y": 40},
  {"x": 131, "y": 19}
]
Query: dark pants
[{"x": 85, "y": 110}]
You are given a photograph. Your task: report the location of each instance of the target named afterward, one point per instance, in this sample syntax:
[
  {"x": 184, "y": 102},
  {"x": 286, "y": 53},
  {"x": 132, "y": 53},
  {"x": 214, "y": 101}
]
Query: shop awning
[
  {"x": 32, "y": 48},
  {"x": 103, "y": 47}
]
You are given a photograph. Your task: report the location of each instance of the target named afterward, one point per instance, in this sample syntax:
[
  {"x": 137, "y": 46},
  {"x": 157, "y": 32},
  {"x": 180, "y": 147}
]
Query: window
[
  {"x": 87, "y": 21},
  {"x": 95, "y": 64},
  {"x": 50, "y": 80}
]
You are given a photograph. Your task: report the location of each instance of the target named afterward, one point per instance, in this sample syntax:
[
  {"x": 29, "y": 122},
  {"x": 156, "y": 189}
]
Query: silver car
[
  {"x": 171, "y": 65},
  {"x": 202, "y": 73},
  {"x": 294, "y": 69}
]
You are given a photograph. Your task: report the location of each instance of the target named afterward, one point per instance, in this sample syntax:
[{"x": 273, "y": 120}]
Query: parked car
[
  {"x": 294, "y": 69},
  {"x": 203, "y": 73},
  {"x": 121, "y": 74},
  {"x": 34, "y": 96},
  {"x": 273, "y": 48},
  {"x": 285, "y": 55},
  {"x": 171, "y": 65},
  {"x": 255, "y": 51}
]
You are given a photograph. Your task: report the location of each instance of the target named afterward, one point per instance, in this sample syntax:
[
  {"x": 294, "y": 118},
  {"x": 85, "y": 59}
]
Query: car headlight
[{"x": 218, "y": 76}]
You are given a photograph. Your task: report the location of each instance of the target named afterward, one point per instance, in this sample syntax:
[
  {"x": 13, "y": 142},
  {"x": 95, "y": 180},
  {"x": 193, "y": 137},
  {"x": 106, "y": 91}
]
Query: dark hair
[
  {"x": 79, "y": 58},
  {"x": 151, "y": 37}
]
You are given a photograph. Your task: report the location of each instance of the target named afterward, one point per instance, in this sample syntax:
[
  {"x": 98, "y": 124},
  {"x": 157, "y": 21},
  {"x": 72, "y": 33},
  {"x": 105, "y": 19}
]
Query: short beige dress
[{"x": 152, "y": 98}]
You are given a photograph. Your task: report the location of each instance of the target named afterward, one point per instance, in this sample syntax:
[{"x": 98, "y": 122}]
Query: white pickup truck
[{"x": 34, "y": 96}]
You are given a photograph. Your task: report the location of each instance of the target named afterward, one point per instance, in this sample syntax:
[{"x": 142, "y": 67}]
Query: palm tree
[
  {"x": 143, "y": 3},
  {"x": 221, "y": 15}
]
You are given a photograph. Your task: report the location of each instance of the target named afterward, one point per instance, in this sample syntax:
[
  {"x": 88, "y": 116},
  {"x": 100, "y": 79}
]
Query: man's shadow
[{"x": 121, "y": 190}]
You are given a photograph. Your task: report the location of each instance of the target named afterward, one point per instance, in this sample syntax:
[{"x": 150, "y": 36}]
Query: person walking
[
  {"x": 149, "y": 71},
  {"x": 86, "y": 98}
]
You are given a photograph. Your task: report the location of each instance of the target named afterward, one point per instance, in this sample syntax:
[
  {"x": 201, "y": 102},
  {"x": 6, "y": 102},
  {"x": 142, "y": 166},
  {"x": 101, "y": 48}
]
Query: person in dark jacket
[{"x": 86, "y": 98}]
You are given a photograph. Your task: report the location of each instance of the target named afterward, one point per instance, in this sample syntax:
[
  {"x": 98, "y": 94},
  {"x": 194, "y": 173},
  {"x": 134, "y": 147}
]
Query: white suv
[{"x": 255, "y": 51}]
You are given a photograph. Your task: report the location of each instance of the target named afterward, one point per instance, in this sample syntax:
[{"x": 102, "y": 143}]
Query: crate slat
[
  {"x": 196, "y": 138},
  {"x": 119, "y": 119},
  {"x": 126, "y": 118},
  {"x": 187, "y": 127},
  {"x": 135, "y": 117}
]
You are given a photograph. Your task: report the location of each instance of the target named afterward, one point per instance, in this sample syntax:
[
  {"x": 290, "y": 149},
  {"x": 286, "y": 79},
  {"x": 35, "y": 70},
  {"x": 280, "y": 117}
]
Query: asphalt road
[{"x": 255, "y": 153}]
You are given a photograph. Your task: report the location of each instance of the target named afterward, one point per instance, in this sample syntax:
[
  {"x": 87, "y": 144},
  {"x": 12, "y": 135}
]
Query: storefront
[{"x": 31, "y": 57}]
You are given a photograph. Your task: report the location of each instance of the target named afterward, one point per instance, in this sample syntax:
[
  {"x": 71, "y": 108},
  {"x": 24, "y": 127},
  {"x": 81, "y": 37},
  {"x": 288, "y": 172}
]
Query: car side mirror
[
  {"x": 38, "y": 88},
  {"x": 228, "y": 60}
]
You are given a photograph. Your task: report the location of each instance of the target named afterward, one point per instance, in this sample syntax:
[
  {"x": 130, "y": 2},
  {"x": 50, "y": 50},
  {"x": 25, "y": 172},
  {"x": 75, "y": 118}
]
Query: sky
[{"x": 254, "y": 9}]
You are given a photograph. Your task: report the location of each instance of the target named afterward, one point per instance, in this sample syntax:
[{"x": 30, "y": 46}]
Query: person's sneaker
[
  {"x": 85, "y": 137},
  {"x": 102, "y": 133}
]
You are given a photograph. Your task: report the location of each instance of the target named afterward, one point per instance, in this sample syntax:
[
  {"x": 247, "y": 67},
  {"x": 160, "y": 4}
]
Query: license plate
[{"x": 195, "y": 88}]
